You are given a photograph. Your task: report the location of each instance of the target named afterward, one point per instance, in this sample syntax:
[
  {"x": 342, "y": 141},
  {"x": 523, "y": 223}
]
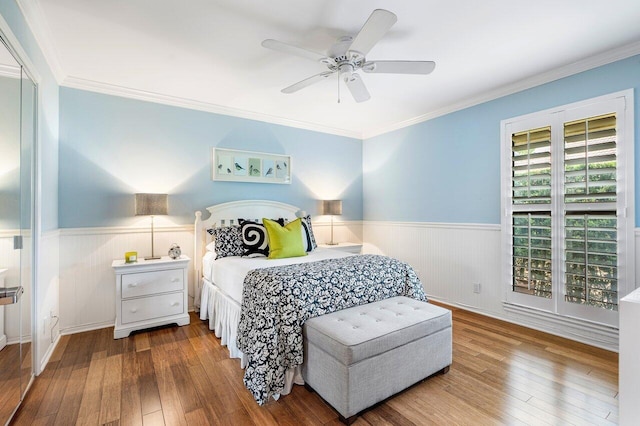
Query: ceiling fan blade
[
  {"x": 400, "y": 67},
  {"x": 295, "y": 50},
  {"x": 307, "y": 82},
  {"x": 357, "y": 88},
  {"x": 372, "y": 31}
]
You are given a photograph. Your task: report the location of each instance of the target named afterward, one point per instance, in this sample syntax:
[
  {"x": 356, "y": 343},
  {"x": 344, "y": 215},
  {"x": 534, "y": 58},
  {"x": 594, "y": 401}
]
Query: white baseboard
[
  {"x": 86, "y": 327},
  {"x": 610, "y": 342},
  {"x": 47, "y": 355}
]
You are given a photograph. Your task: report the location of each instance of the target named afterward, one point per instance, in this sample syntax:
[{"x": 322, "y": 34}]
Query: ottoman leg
[{"x": 349, "y": 420}]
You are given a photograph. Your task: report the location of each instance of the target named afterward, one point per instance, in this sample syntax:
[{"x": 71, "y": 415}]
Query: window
[{"x": 568, "y": 208}]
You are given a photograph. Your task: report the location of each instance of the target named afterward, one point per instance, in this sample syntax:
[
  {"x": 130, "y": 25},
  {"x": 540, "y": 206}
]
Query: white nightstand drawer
[
  {"x": 152, "y": 307},
  {"x": 155, "y": 282}
]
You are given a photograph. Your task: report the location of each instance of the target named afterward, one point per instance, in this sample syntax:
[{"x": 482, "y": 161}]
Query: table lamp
[
  {"x": 332, "y": 208},
  {"x": 151, "y": 205}
]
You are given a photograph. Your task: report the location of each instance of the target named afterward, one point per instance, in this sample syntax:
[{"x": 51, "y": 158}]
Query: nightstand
[
  {"x": 354, "y": 248},
  {"x": 150, "y": 293}
]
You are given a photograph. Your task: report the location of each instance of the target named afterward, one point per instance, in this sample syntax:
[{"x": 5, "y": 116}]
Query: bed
[{"x": 259, "y": 317}]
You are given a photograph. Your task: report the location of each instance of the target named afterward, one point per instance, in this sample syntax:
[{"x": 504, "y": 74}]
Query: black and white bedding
[
  {"x": 229, "y": 273},
  {"x": 278, "y": 300}
]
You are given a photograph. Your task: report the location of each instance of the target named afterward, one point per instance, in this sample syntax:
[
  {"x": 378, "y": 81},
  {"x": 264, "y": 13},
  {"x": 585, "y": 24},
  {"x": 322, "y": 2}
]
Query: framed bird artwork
[{"x": 233, "y": 165}]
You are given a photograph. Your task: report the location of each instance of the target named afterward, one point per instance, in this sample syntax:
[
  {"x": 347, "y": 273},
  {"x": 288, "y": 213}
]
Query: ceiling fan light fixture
[
  {"x": 345, "y": 69},
  {"x": 348, "y": 55}
]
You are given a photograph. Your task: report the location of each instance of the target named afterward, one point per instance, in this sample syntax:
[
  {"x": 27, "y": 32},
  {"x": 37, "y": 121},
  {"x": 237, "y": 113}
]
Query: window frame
[{"x": 622, "y": 103}]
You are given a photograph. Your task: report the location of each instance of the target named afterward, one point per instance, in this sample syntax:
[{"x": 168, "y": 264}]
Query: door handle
[{"x": 10, "y": 295}]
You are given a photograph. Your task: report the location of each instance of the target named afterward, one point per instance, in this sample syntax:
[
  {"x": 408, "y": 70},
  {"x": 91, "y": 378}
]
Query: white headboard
[{"x": 227, "y": 214}]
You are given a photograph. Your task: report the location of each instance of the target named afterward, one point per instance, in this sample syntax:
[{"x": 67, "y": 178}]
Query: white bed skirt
[{"x": 223, "y": 314}]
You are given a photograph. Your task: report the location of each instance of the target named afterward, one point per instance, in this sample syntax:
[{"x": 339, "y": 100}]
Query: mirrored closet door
[{"x": 17, "y": 137}]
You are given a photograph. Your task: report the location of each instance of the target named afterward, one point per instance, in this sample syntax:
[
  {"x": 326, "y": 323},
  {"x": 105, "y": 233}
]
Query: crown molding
[
  {"x": 15, "y": 48},
  {"x": 10, "y": 71},
  {"x": 42, "y": 33},
  {"x": 537, "y": 80},
  {"x": 34, "y": 16},
  {"x": 126, "y": 92}
]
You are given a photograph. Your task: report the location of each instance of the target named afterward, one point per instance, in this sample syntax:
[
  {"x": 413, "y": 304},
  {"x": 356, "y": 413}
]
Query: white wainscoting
[
  {"x": 47, "y": 298},
  {"x": 87, "y": 282},
  {"x": 450, "y": 258}
]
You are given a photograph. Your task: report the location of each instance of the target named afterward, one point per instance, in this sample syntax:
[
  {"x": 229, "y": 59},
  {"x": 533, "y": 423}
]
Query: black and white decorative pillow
[
  {"x": 308, "y": 239},
  {"x": 255, "y": 240},
  {"x": 228, "y": 241}
]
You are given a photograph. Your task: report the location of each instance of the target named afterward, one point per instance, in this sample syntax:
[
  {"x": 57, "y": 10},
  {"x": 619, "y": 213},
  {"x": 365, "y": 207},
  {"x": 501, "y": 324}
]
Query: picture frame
[{"x": 233, "y": 165}]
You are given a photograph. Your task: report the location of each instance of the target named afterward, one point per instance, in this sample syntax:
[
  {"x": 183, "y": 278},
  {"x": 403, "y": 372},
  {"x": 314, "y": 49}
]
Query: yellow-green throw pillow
[{"x": 284, "y": 241}]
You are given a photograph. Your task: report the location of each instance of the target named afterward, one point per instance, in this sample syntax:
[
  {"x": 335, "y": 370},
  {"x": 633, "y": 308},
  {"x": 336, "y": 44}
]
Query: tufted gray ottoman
[{"x": 359, "y": 356}]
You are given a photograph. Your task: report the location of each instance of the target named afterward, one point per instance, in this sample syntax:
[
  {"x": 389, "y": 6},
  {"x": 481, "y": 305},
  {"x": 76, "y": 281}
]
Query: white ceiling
[{"x": 207, "y": 54}]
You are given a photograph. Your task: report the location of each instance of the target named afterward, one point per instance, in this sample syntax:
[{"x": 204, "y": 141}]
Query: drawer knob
[
  {"x": 175, "y": 304},
  {"x": 133, "y": 285},
  {"x": 175, "y": 280},
  {"x": 133, "y": 310}
]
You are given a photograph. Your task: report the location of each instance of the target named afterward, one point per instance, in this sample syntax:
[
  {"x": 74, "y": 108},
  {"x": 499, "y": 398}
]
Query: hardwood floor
[{"x": 501, "y": 374}]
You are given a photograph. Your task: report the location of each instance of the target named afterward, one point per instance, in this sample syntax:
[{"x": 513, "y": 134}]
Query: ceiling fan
[{"x": 348, "y": 55}]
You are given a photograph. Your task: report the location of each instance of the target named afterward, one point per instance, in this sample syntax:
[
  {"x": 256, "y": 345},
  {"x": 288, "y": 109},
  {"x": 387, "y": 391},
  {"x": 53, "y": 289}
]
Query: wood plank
[
  {"x": 111, "y": 390},
  {"x": 89, "y": 411},
  {"x": 60, "y": 348},
  {"x": 131, "y": 407},
  {"x": 280, "y": 412},
  {"x": 197, "y": 418},
  {"x": 238, "y": 417},
  {"x": 385, "y": 415},
  {"x": 203, "y": 387},
  {"x": 51, "y": 401},
  {"x": 149, "y": 394},
  {"x": 72, "y": 399},
  {"x": 169, "y": 398},
  {"x": 26, "y": 414},
  {"x": 153, "y": 419},
  {"x": 44, "y": 421},
  {"x": 141, "y": 341},
  {"x": 187, "y": 393}
]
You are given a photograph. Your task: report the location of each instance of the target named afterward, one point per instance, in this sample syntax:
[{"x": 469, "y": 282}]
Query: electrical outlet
[{"x": 476, "y": 288}]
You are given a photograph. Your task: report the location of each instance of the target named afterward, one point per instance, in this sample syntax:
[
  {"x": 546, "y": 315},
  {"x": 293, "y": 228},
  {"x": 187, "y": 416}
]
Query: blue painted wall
[
  {"x": 447, "y": 169},
  {"x": 113, "y": 147}
]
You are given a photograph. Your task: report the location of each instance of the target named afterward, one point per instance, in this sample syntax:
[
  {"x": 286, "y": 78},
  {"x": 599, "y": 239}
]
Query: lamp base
[
  {"x": 152, "y": 258},
  {"x": 332, "y": 244}
]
